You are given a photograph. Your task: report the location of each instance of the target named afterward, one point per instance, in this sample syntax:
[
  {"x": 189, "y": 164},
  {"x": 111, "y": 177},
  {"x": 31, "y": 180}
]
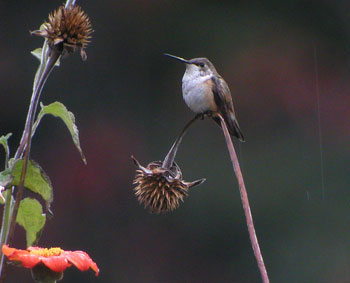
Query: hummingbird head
[{"x": 196, "y": 66}]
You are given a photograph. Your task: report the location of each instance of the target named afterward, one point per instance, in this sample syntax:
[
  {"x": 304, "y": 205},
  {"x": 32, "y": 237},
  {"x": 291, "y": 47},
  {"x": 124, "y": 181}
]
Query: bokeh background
[{"x": 287, "y": 64}]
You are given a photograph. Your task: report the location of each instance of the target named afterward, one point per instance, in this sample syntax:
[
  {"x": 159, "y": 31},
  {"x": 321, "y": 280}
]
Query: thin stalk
[
  {"x": 6, "y": 221},
  {"x": 48, "y": 59},
  {"x": 52, "y": 58},
  {"x": 245, "y": 202},
  {"x": 25, "y": 145},
  {"x": 69, "y": 3},
  {"x": 41, "y": 76},
  {"x": 169, "y": 159},
  {"x": 7, "y": 155},
  {"x": 10, "y": 202}
]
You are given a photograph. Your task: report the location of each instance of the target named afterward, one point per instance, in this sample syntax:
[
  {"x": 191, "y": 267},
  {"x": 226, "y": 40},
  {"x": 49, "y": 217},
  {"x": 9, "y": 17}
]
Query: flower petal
[
  {"x": 54, "y": 258},
  {"x": 56, "y": 263},
  {"x": 7, "y": 250},
  {"x": 82, "y": 261},
  {"x": 28, "y": 260}
]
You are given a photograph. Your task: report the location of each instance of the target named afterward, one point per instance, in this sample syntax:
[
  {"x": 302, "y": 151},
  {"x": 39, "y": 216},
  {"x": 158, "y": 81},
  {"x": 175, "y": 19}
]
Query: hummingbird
[{"x": 206, "y": 92}]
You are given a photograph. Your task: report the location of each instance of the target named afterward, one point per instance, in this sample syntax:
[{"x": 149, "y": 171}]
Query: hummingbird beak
[{"x": 178, "y": 58}]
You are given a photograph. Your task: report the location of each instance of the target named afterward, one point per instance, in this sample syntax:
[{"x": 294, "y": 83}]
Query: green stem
[
  {"x": 50, "y": 57},
  {"x": 5, "y": 220},
  {"x": 26, "y": 146},
  {"x": 7, "y": 153},
  {"x": 48, "y": 60}
]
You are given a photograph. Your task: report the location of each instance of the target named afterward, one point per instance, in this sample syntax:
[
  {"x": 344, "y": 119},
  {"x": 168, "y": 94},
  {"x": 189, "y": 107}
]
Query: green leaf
[
  {"x": 57, "y": 109},
  {"x": 3, "y": 142},
  {"x": 4, "y": 196},
  {"x": 30, "y": 216},
  {"x": 36, "y": 180},
  {"x": 6, "y": 177},
  {"x": 37, "y": 53}
]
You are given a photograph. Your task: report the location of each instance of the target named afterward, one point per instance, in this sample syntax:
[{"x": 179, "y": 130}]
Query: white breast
[{"x": 197, "y": 93}]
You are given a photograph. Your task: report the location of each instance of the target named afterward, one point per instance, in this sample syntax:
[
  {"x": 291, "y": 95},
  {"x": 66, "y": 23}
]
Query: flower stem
[
  {"x": 245, "y": 202},
  {"x": 170, "y": 157},
  {"x": 5, "y": 227},
  {"x": 26, "y": 146},
  {"x": 50, "y": 57}
]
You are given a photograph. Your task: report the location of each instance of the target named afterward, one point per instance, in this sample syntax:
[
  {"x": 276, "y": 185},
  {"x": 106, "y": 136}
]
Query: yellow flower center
[{"x": 47, "y": 252}]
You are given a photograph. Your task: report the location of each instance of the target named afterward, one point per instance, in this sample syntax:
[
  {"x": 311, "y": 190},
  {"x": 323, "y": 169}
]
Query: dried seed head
[
  {"x": 161, "y": 189},
  {"x": 68, "y": 30}
]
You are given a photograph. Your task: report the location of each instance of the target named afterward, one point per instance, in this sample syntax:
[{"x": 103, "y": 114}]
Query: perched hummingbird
[{"x": 206, "y": 92}]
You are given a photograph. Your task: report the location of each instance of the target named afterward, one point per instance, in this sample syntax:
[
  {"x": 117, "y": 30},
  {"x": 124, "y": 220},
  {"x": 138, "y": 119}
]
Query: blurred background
[{"x": 288, "y": 68}]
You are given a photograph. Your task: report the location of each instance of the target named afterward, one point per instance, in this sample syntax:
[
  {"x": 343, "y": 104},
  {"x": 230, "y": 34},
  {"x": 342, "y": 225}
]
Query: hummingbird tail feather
[
  {"x": 238, "y": 133},
  {"x": 232, "y": 126}
]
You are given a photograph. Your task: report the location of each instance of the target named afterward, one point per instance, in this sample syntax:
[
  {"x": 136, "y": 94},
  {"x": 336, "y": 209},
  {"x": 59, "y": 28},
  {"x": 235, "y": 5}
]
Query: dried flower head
[
  {"x": 161, "y": 189},
  {"x": 68, "y": 30}
]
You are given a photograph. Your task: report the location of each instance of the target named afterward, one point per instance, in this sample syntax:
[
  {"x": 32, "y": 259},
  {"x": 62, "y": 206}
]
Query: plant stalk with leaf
[{"x": 67, "y": 30}]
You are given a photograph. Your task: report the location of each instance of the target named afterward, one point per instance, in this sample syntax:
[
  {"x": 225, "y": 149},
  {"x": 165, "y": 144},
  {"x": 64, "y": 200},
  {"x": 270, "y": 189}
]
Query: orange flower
[{"x": 55, "y": 259}]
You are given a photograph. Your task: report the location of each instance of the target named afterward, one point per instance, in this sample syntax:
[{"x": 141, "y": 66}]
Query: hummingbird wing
[{"x": 223, "y": 100}]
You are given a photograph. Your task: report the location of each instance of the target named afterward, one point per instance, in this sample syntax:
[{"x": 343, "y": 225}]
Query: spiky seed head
[
  {"x": 161, "y": 189},
  {"x": 67, "y": 30}
]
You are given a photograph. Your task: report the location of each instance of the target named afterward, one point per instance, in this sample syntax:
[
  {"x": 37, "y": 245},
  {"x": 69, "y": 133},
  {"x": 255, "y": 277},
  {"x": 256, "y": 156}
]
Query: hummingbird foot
[
  {"x": 200, "y": 116},
  {"x": 208, "y": 114},
  {"x": 204, "y": 114}
]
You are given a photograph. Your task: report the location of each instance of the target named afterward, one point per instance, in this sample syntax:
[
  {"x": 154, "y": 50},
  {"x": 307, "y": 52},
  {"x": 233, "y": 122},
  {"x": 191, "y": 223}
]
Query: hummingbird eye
[{"x": 201, "y": 65}]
